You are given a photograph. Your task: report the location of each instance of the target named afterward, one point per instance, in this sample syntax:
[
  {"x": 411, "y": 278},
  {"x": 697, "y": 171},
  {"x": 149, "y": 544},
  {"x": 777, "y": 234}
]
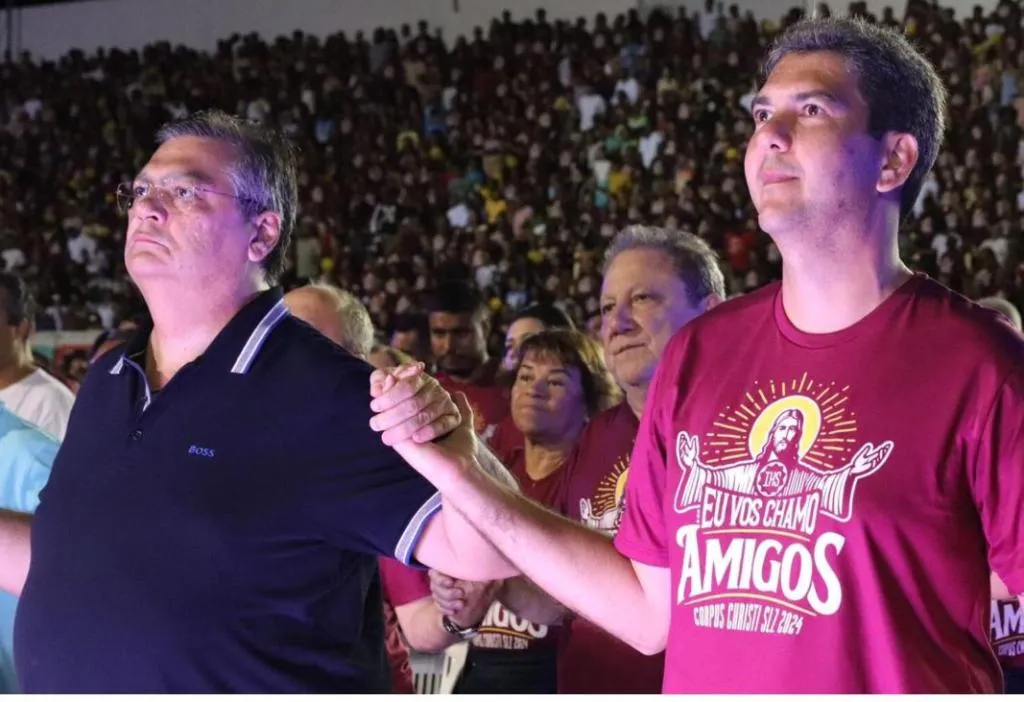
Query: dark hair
[
  {"x": 694, "y": 261},
  {"x": 18, "y": 302},
  {"x": 411, "y": 321},
  {"x": 264, "y": 176},
  {"x": 457, "y": 297},
  {"x": 901, "y": 88},
  {"x": 576, "y": 349},
  {"x": 550, "y": 316}
]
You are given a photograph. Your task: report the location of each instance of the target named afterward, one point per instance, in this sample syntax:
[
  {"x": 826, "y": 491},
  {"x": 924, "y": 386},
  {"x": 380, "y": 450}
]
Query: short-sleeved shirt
[
  {"x": 402, "y": 585},
  {"x": 26, "y": 456},
  {"x": 501, "y": 630},
  {"x": 220, "y": 535},
  {"x": 41, "y": 399},
  {"x": 590, "y": 660},
  {"x": 829, "y": 504},
  {"x": 506, "y": 437},
  {"x": 1008, "y": 633}
]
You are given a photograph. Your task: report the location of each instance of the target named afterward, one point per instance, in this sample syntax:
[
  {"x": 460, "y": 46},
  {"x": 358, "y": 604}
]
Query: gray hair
[
  {"x": 356, "y": 325},
  {"x": 264, "y": 176},
  {"x": 901, "y": 88},
  {"x": 1005, "y": 308},
  {"x": 694, "y": 261}
]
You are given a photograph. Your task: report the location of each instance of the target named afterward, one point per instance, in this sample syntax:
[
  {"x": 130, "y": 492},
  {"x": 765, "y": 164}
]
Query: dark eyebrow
[{"x": 822, "y": 95}]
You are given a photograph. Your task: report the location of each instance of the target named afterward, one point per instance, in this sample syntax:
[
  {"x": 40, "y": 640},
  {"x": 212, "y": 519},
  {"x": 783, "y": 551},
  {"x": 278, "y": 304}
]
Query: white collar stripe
[
  {"x": 259, "y": 335},
  {"x": 252, "y": 345}
]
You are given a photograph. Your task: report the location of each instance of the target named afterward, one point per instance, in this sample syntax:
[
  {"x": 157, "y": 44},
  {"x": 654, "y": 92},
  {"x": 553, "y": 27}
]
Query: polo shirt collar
[{"x": 238, "y": 343}]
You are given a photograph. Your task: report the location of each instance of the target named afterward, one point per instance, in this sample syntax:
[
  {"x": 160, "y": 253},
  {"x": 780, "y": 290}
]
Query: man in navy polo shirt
[{"x": 214, "y": 515}]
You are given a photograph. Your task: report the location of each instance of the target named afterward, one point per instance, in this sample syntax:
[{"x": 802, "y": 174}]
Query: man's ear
[
  {"x": 266, "y": 236},
  {"x": 900, "y": 157},
  {"x": 710, "y": 302},
  {"x": 23, "y": 332}
]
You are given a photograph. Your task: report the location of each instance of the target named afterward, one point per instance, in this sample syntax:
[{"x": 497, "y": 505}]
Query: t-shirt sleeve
[
  {"x": 403, "y": 584},
  {"x": 365, "y": 496},
  {"x": 997, "y": 481},
  {"x": 26, "y": 457},
  {"x": 642, "y": 533}
]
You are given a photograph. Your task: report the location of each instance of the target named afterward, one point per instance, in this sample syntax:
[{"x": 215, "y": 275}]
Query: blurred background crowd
[
  {"x": 507, "y": 158},
  {"x": 441, "y": 178}
]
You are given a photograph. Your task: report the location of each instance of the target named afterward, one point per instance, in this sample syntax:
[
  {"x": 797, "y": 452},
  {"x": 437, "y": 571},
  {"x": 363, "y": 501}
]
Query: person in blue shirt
[{"x": 26, "y": 456}]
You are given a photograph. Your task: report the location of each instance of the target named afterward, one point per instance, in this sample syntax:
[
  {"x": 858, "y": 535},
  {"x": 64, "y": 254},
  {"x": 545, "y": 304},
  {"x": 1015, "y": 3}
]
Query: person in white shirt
[{"x": 25, "y": 389}]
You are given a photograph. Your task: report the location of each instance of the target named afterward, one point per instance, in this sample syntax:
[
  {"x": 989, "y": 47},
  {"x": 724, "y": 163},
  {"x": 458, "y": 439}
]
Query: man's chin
[{"x": 633, "y": 377}]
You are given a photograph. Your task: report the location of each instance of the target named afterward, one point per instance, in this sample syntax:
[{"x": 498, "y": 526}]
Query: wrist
[
  {"x": 458, "y": 628},
  {"x": 457, "y": 480}
]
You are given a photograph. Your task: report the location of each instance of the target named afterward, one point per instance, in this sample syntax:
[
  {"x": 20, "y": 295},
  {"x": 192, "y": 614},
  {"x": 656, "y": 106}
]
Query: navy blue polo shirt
[{"x": 220, "y": 535}]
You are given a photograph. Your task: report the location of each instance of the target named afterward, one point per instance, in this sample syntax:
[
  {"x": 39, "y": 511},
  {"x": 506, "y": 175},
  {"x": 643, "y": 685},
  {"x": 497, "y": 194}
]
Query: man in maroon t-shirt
[
  {"x": 459, "y": 324},
  {"x": 655, "y": 281},
  {"x": 828, "y": 470}
]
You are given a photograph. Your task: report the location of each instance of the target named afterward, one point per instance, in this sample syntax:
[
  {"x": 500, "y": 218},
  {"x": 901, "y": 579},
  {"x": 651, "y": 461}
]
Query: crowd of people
[
  {"x": 511, "y": 156},
  {"x": 532, "y": 213}
]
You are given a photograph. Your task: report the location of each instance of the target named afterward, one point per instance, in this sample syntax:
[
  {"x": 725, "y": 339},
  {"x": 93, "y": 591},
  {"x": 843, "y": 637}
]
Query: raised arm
[
  {"x": 575, "y": 565},
  {"x": 485, "y": 518},
  {"x": 412, "y": 406}
]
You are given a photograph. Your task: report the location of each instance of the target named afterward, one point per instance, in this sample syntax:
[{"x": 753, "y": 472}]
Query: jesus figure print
[
  {"x": 757, "y": 481},
  {"x": 777, "y": 462}
]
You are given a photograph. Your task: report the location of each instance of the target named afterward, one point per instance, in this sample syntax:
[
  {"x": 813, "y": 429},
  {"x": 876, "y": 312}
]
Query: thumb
[
  {"x": 381, "y": 381},
  {"x": 465, "y": 411}
]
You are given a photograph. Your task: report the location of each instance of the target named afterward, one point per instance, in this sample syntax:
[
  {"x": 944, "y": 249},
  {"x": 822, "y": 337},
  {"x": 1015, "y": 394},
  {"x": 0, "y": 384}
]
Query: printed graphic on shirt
[
  {"x": 484, "y": 430},
  {"x": 505, "y": 630},
  {"x": 604, "y": 512},
  {"x": 1007, "y": 629},
  {"x": 766, "y": 486}
]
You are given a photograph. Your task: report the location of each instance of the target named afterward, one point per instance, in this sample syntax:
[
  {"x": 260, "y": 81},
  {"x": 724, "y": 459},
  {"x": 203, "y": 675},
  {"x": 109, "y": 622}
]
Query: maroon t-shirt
[
  {"x": 506, "y": 437},
  {"x": 401, "y": 585},
  {"x": 501, "y": 630},
  {"x": 1008, "y": 633},
  {"x": 590, "y": 660},
  {"x": 488, "y": 399},
  {"x": 828, "y": 505}
]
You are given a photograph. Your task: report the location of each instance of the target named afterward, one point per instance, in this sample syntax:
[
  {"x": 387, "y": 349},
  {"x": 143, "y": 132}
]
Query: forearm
[
  {"x": 421, "y": 626},
  {"x": 491, "y": 466},
  {"x": 476, "y": 557},
  {"x": 452, "y": 545},
  {"x": 528, "y": 601},
  {"x": 576, "y": 566},
  {"x": 469, "y": 555},
  {"x": 15, "y": 550}
]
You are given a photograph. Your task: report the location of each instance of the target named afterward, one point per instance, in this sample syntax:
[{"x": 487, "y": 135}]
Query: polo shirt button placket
[{"x": 135, "y": 435}]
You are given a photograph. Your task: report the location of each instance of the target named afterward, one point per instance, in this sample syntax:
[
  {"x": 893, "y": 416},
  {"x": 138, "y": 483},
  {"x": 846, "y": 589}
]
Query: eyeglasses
[{"x": 181, "y": 196}]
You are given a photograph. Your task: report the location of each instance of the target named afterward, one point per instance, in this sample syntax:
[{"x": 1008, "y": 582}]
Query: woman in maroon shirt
[{"x": 560, "y": 382}]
